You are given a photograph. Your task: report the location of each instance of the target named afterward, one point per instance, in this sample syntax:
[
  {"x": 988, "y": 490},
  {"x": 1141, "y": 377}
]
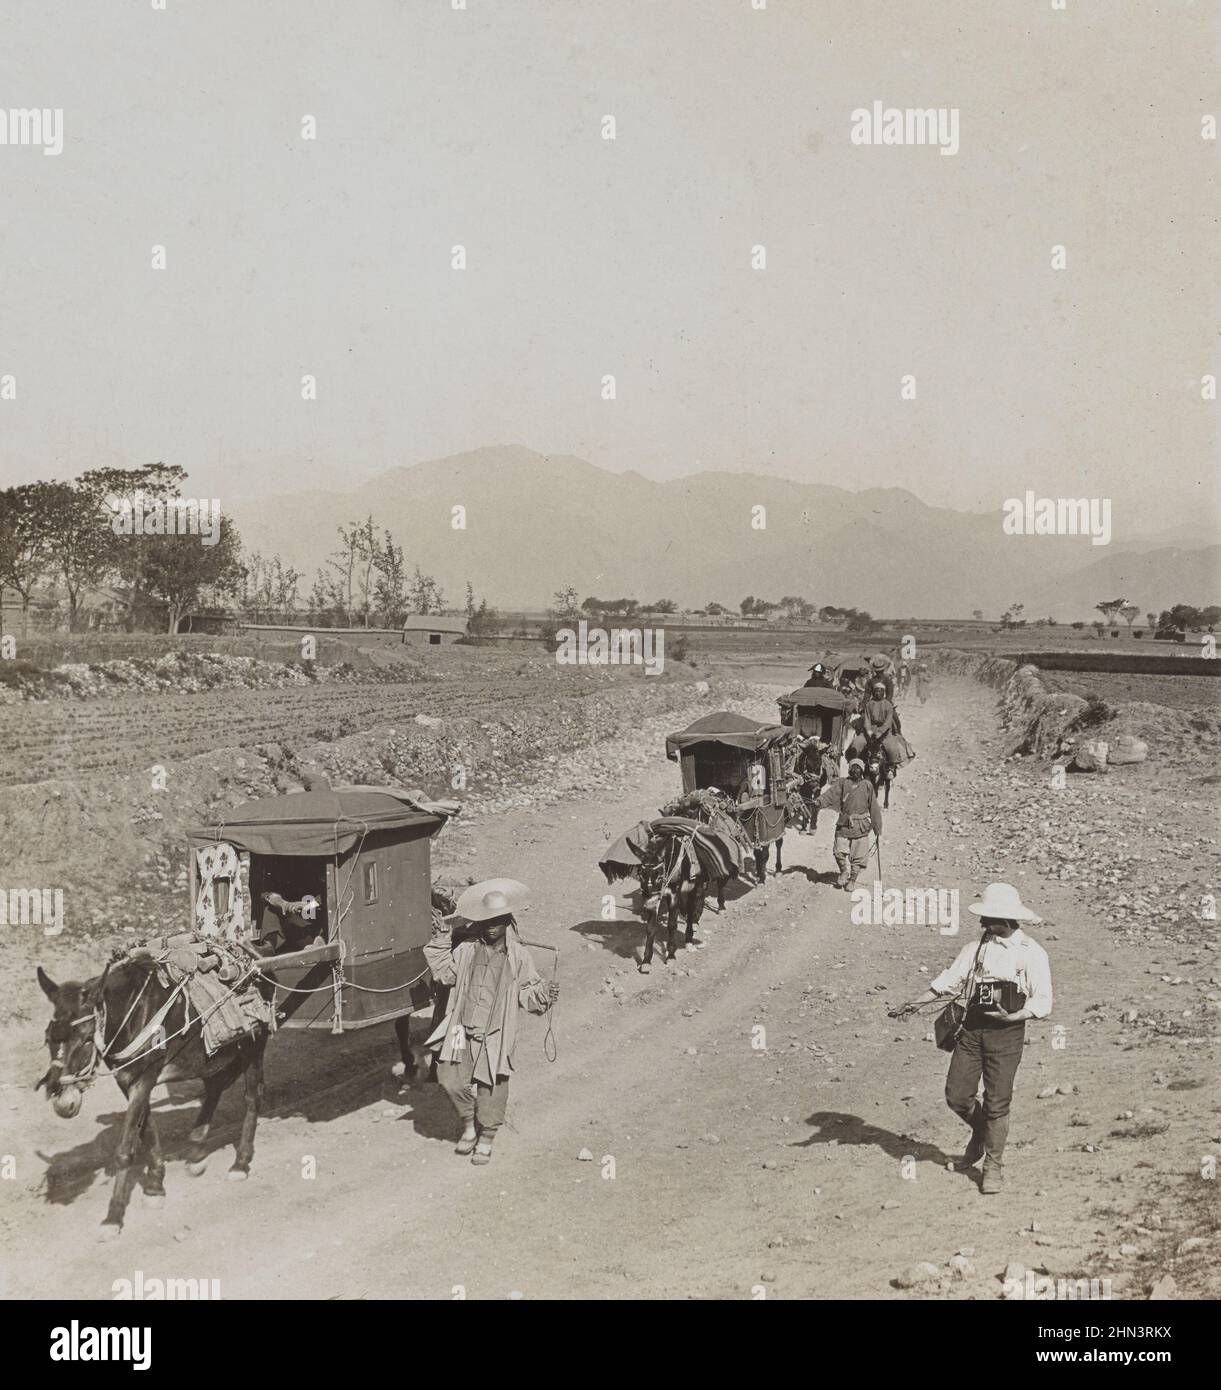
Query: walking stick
[{"x": 877, "y": 844}]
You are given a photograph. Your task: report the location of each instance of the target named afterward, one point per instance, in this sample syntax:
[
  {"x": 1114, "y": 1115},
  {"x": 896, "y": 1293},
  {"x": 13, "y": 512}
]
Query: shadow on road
[{"x": 836, "y": 1127}]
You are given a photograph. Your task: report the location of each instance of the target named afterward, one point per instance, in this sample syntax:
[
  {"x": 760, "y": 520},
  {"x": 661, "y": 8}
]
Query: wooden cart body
[
  {"x": 743, "y": 758},
  {"x": 363, "y": 856},
  {"x": 817, "y": 711}
]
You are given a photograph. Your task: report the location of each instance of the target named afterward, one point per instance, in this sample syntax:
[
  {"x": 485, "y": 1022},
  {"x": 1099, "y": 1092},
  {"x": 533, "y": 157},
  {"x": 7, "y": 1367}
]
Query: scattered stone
[{"x": 916, "y": 1275}]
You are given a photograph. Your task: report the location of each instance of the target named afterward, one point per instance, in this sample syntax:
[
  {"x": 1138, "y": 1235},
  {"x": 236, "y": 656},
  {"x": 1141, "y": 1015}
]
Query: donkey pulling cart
[{"x": 309, "y": 910}]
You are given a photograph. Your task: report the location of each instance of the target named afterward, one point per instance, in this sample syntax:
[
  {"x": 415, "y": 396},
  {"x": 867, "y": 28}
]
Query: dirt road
[{"x": 804, "y": 1160}]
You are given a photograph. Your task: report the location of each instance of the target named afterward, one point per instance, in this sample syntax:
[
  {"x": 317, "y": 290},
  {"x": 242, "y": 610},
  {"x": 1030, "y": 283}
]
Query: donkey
[
  {"x": 761, "y": 856},
  {"x": 682, "y": 887},
  {"x": 879, "y": 769},
  {"x": 96, "y": 1021}
]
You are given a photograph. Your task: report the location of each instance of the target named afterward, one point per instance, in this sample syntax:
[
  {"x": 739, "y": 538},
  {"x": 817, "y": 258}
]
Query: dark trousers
[
  {"x": 992, "y": 1053},
  {"x": 475, "y": 1101}
]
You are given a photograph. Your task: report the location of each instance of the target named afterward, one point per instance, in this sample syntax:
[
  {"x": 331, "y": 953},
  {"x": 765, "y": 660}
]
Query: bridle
[
  {"x": 88, "y": 1075},
  {"x": 84, "y": 1078}
]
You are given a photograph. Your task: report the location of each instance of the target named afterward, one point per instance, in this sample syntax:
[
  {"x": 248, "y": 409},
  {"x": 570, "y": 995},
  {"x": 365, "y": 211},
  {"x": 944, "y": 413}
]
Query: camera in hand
[{"x": 998, "y": 994}]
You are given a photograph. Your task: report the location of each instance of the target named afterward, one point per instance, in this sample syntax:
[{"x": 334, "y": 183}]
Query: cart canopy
[
  {"x": 730, "y": 730},
  {"x": 325, "y": 820},
  {"x": 814, "y": 697}
]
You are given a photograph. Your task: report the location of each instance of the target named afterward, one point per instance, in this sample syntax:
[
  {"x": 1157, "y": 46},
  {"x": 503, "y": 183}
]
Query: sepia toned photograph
[{"x": 608, "y": 663}]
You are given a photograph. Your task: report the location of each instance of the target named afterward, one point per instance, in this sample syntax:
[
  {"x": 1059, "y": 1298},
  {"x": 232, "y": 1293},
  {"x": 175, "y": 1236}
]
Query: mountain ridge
[{"x": 698, "y": 538}]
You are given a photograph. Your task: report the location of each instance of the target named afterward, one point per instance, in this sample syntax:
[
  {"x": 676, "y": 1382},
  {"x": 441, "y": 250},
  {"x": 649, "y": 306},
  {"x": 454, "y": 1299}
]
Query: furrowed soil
[{"x": 758, "y": 1127}]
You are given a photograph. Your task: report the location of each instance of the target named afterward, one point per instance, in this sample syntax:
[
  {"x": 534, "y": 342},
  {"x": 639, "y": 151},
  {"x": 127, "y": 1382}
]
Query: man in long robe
[{"x": 492, "y": 979}]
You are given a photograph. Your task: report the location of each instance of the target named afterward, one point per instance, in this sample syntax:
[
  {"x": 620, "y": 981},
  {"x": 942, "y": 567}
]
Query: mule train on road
[{"x": 315, "y": 911}]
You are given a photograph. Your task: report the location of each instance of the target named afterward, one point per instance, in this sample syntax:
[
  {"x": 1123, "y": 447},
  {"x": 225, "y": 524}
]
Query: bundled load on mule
[
  {"x": 221, "y": 982},
  {"x": 637, "y": 853},
  {"x": 714, "y": 808},
  {"x": 745, "y": 761},
  {"x": 676, "y": 860}
]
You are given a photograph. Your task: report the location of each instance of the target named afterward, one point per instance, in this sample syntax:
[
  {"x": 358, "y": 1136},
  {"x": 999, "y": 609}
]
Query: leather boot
[
  {"x": 975, "y": 1149},
  {"x": 994, "y": 1177}
]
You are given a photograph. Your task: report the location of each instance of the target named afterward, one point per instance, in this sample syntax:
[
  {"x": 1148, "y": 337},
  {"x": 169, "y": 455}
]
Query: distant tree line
[
  {"x": 1172, "y": 623},
  {"x": 63, "y": 552}
]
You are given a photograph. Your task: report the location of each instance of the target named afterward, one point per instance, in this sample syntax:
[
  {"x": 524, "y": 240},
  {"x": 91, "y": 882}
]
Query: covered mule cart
[
  {"x": 336, "y": 882},
  {"x": 744, "y": 760},
  {"x": 818, "y": 712}
]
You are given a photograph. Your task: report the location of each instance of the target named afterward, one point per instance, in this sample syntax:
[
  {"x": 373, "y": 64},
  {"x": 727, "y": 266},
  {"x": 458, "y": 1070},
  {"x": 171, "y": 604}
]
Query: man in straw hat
[
  {"x": 859, "y": 814},
  {"x": 492, "y": 979},
  {"x": 882, "y": 668},
  {"x": 1005, "y": 979}
]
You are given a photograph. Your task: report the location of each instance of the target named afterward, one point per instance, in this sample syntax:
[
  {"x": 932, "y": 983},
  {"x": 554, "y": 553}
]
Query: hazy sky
[{"x": 633, "y": 257}]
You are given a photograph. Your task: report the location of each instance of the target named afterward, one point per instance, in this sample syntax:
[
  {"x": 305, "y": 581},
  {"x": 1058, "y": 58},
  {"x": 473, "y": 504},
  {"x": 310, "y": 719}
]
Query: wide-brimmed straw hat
[
  {"x": 494, "y": 897},
  {"x": 1003, "y": 900},
  {"x": 879, "y": 661}
]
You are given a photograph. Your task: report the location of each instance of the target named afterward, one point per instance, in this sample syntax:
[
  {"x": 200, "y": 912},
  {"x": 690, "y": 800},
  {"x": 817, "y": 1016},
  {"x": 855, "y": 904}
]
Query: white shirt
[{"x": 1017, "y": 958}]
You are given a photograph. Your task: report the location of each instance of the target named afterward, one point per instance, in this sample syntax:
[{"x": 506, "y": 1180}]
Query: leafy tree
[
  {"x": 133, "y": 492},
  {"x": 82, "y": 538},
  {"x": 1110, "y": 610},
  {"x": 1129, "y": 613},
  {"x": 796, "y": 609},
  {"x": 180, "y": 570},
  {"x": 27, "y": 552},
  {"x": 604, "y": 608},
  {"x": 1181, "y": 618}
]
